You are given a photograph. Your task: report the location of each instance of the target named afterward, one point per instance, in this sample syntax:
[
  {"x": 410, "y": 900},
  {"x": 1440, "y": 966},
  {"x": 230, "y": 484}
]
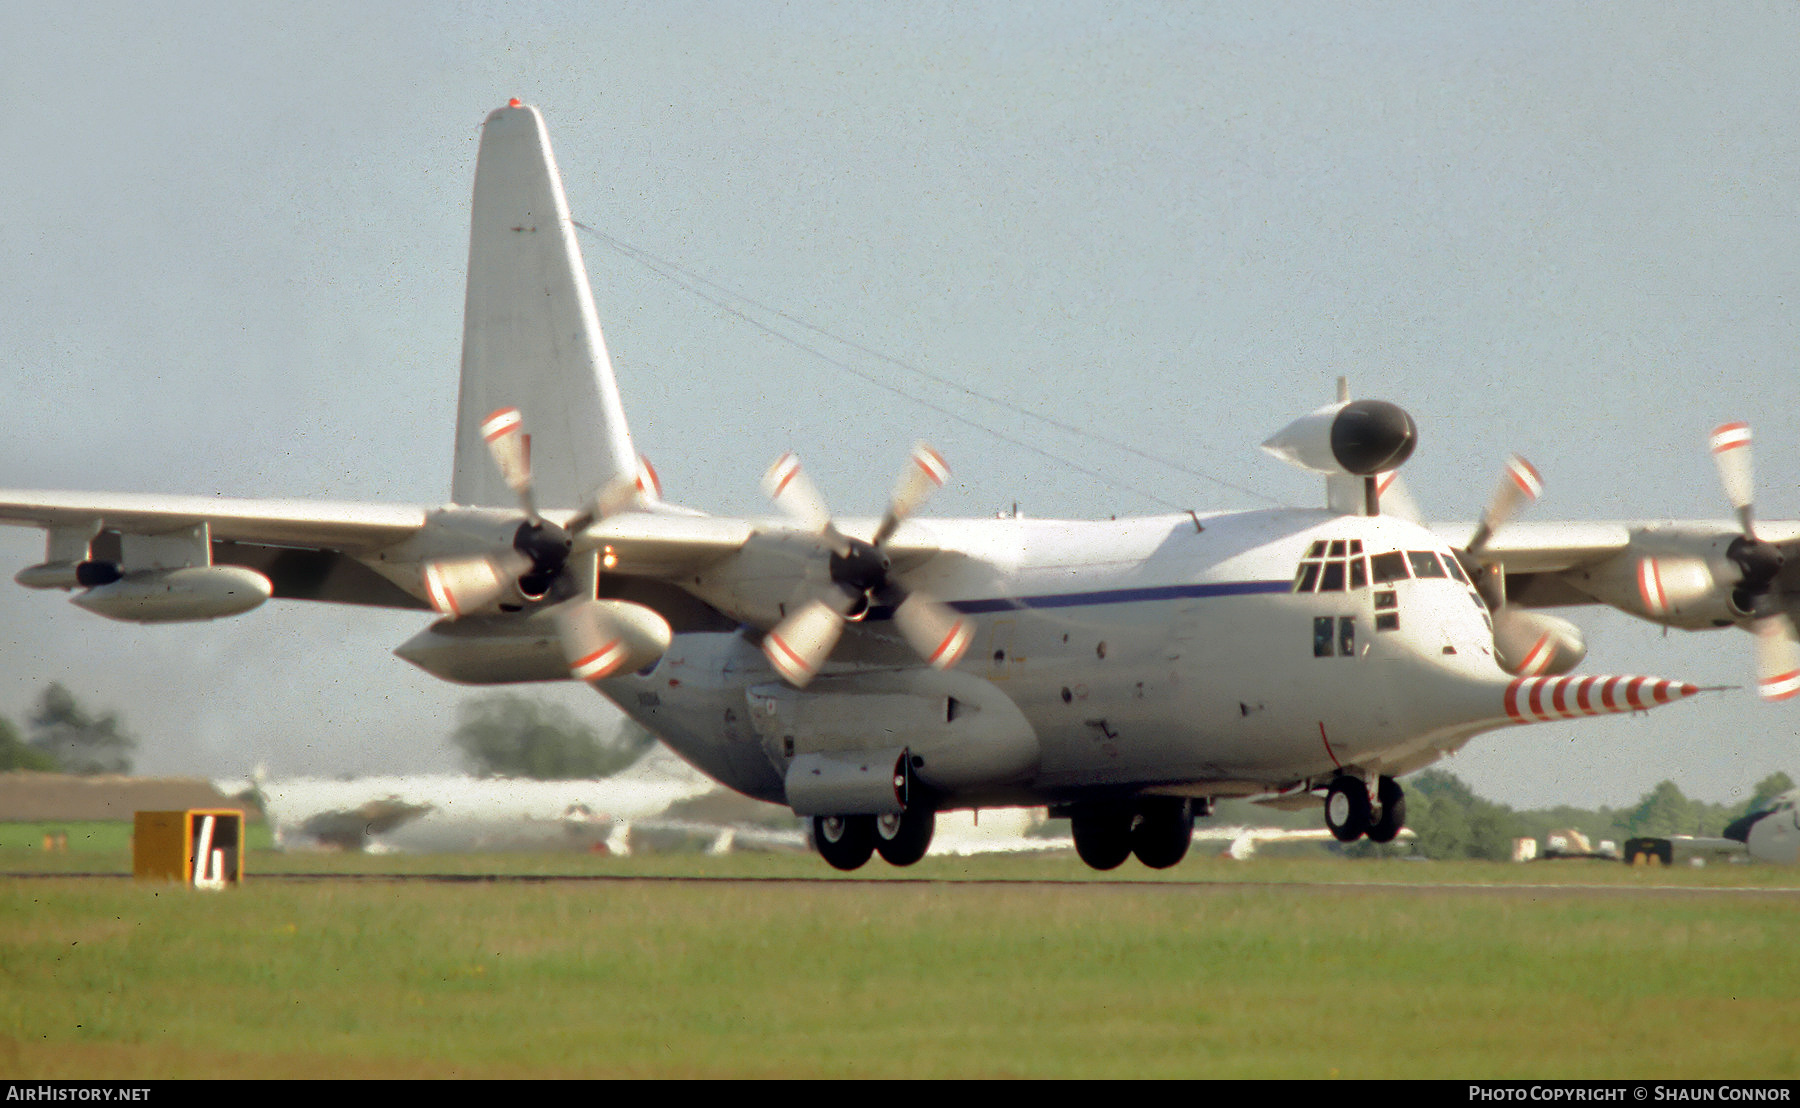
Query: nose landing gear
[{"x": 1351, "y": 813}]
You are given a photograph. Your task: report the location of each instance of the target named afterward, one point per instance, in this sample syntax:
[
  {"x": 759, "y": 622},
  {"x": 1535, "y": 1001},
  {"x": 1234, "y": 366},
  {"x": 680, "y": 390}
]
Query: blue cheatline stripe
[
  {"x": 1122, "y": 596},
  {"x": 1107, "y": 596}
]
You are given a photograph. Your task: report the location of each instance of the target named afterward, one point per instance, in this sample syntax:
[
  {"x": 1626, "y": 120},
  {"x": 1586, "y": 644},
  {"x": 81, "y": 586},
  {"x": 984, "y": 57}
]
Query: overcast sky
[{"x": 233, "y": 239}]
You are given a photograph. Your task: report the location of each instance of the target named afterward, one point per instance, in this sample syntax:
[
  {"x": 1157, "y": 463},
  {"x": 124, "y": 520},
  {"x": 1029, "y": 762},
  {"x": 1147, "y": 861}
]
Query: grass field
[{"x": 1022, "y": 967}]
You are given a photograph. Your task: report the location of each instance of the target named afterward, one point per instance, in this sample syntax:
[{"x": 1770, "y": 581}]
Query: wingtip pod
[{"x": 1544, "y": 699}]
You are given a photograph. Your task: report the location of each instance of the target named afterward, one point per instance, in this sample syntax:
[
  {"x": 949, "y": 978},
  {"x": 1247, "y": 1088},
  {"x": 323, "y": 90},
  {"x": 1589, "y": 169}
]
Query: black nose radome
[{"x": 1372, "y": 436}]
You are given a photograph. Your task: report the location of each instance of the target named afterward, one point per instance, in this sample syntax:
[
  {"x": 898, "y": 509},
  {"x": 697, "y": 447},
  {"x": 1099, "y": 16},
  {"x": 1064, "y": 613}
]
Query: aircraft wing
[
  {"x": 1555, "y": 564},
  {"x": 346, "y": 552},
  {"x": 351, "y": 528},
  {"x": 1544, "y": 547}
]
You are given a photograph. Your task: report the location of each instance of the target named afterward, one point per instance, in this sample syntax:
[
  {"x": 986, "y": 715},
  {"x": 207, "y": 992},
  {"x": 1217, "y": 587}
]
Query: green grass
[{"x": 1234, "y": 972}]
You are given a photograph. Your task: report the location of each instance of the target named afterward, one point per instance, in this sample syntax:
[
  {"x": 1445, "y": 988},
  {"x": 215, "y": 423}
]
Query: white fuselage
[{"x": 1165, "y": 653}]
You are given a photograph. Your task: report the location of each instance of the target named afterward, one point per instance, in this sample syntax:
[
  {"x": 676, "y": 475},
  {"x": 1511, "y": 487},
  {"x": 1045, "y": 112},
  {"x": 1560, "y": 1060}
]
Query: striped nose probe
[{"x": 1543, "y": 699}]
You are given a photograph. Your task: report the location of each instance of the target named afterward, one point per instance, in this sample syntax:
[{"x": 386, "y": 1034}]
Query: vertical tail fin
[{"x": 531, "y": 336}]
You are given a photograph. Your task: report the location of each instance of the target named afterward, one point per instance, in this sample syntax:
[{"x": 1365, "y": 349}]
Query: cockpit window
[
  {"x": 1334, "y": 565},
  {"x": 1425, "y": 563},
  {"x": 1337, "y": 565},
  {"x": 1456, "y": 569},
  {"x": 1332, "y": 580},
  {"x": 1389, "y": 567}
]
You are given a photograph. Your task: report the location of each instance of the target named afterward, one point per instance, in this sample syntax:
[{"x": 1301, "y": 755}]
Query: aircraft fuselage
[{"x": 1203, "y": 657}]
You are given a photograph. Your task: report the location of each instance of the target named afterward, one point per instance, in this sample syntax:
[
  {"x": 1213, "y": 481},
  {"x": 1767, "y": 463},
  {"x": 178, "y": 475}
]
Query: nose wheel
[{"x": 1350, "y": 812}]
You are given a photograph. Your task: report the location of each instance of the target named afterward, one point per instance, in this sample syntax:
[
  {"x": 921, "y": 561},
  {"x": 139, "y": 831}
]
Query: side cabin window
[{"x": 1334, "y": 637}]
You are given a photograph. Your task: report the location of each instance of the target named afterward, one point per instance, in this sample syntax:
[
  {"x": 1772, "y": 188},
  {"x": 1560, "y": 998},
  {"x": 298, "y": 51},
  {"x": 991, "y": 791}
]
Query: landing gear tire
[
  {"x": 1347, "y": 813},
  {"x": 903, "y": 838},
  {"x": 844, "y": 841},
  {"x": 1102, "y": 835},
  {"x": 1393, "y": 811},
  {"x": 1163, "y": 831}
]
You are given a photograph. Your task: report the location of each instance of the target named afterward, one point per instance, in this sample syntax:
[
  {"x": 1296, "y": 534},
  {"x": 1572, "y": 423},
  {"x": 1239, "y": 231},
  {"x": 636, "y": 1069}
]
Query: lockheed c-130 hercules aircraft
[{"x": 871, "y": 673}]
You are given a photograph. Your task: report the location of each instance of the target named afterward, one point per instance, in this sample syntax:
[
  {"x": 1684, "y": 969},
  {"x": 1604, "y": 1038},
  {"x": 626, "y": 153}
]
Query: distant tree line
[
  {"x": 1450, "y": 821},
  {"x": 499, "y": 736},
  {"x": 514, "y": 736},
  {"x": 64, "y": 737}
]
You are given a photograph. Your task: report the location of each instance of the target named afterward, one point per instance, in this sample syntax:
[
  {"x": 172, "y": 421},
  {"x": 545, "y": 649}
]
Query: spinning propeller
[
  {"x": 1529, "y": 644},
  {"x": 858, "y": 575},
  {"x": 598, "y": 637},
  {"x": 1759, "y": 563}
]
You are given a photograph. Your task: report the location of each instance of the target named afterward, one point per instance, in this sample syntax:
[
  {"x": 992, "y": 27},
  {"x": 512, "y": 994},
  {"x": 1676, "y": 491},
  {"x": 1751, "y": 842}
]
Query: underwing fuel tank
[{"x": 180, "y": 595}]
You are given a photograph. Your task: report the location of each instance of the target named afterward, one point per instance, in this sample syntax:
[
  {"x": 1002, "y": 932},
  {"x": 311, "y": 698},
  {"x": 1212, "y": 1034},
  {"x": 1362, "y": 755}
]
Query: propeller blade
[
  {"x": 594, "y": 646},
  {"x": 924, "y": 474},
  {"x": 507, "y": 442},
  {"x": 937, "y": 631},
  {"x": 793, "y": 492},
  {"x": 1665, "y": 584},
  {"x": 1730, "y": 444},
  {"x": 601, "y": 638},
  {"x": 621, "y": 494},
  {"x": 1777, "y": 658},
  {"x": 801, "y": 643},
  {"x": 1519, "y": 485},
  {"x": 1395, "y": 498},
  {"x": 457, "y": 586}
]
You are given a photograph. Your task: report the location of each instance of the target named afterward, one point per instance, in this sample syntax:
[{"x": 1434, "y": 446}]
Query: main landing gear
[
  {"x": 1157, "y": 829},
  {"x": 849, "y": 841},
  {"x": 1351, "y": 813}
]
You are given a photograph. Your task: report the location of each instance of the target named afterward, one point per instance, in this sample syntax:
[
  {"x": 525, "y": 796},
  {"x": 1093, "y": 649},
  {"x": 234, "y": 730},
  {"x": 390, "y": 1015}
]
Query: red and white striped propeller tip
[
  {"x": 1730, "y": 444},
  {"x": 1777, "y": 659}
]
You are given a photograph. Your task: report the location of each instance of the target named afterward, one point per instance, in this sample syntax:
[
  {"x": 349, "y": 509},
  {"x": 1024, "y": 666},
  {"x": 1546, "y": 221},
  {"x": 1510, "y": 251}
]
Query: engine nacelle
[
  {"x": 1532, "y": 644},
  {"x": 184, "y": 595},
  {"x": 1359, "y": 437},
  {"x": 508, "y": 649},
  {"x": 1667, "y": 580}
]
